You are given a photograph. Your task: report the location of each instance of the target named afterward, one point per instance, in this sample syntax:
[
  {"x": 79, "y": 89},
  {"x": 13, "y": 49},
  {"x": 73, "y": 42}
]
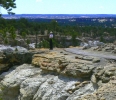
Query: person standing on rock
[{"x": 51, "y": 40}]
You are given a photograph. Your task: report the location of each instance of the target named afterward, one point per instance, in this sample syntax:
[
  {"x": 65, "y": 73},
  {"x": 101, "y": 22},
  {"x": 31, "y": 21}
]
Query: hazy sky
[{"x": 65, "y": 7}]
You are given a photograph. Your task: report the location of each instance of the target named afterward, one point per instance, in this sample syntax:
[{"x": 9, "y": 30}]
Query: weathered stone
[
  {"x": 96, "y": 60},
  {"x": 105, "y": 79},
  {"x": 27, "y": 82},
  {"x": 78, "y": 94},
  {"x": 106, "y": 92},
  {"x": 62, "y": 65},
  {"x": 87, "y": 58},
  {"x": 81, "y": 70},
  {"x": 50, "y": 80},
  {"x": 108, "y": 49},
  {"x": 93, "y": 79},
  {"x": 3, "y": 67},
  {"x": 77, "y": 83}
]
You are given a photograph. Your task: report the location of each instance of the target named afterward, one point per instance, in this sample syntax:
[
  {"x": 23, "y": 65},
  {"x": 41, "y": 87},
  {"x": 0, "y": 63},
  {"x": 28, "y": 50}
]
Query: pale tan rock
[
  {"x": 77, "y": 83},
  {"x": 93, "y": 79}
]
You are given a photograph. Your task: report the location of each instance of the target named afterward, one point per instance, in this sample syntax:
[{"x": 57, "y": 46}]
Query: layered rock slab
[
  {"x": 63, "y": 64},
  {"x": 26, "y": 82}
]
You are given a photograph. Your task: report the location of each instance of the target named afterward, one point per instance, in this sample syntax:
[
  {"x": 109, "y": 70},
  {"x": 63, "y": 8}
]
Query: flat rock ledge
[
  {"x": 78, "y": 66},
  {"x": 64, "y": 64}
]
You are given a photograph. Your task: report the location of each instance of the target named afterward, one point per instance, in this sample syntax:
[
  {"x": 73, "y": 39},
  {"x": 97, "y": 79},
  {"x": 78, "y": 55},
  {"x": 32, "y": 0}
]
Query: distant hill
[
  {"x": 58, "y": 16},
  {"x": 102, "y": 20}
]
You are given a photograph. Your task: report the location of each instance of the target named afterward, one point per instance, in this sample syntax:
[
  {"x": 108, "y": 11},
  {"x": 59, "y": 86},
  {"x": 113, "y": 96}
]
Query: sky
[{"x": 64, "y": 7}]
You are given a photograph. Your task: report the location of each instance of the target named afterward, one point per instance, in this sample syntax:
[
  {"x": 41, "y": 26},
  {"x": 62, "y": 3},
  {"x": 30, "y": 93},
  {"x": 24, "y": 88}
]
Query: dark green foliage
[
  {"x": 12, "y": 33},
  {"x": 43, "y": 44},
  {"x": 28, "y": 42},
  {"x": 26, "y": 27},
  {"x": 3, "y": 34},
  {"x": 8, "y": 5},
  {"x": 23, "y": 34},
  {"x": 102, "y": 39}
]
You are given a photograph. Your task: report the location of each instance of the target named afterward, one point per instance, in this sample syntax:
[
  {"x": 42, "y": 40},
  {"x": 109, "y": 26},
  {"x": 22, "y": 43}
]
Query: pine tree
[
  {"x": 3, "y": 33},
  {"x": 8, "y": 5},
  {"x": 13, "y": 35}
]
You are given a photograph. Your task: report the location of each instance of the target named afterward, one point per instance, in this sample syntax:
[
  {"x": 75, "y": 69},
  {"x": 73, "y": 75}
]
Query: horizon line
[{"x": 61, "y": 14}]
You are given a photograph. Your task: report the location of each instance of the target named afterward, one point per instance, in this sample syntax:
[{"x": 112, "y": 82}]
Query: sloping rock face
[{"x": 27, "y": 82}]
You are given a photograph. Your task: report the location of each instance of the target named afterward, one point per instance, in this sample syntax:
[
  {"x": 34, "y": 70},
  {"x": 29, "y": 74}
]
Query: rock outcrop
[
  {"x": 106, "y": 92},
  {"x": 64, "y": 64},
  {"x": 10, "y": 56},
  {"x": 59, "y": 75},
  {"x": 99, "y": 70},
  {"x": 27, "y": 82}
]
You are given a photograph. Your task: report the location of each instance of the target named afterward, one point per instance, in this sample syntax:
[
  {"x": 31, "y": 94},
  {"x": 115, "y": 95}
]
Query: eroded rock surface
[
  {"x": 98, "y": 70},
  {"x": 11, "y": 57},
  {"x": 106, "y": 92},
  {"x": 64, "y": 64},
  {"x": 27, "y": 82},
  {"x": 59, "y": 75}
]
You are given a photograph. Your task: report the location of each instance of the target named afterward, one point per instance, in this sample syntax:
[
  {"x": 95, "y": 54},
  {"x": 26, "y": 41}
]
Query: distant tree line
[{"x": 27, "y": 27}]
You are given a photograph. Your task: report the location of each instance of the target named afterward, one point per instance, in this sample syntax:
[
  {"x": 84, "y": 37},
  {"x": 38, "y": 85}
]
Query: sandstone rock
[
  {"x": 86, "y": 46},
  {"x": 62, "y": 64},
  {"x": 81, "y": 92},
  {"x": 105, "y": 79},
  {"x": 93, "y": 79},
  {"x": 18, "y": 57},
  {"x": 87, "y": 58},
  {"x": 105, "y": 92},
  {"x": 96, "y": 60},
  {"x": 13, "y": 79},
  {"x": 78, "y": 57},
  {"x": 27, "y": 82},
  {"x": 56, "y": 76},
  {"x": 79, "y": 70},
  {"x": 108, "y": 49},
  {"x": 104, "y": 74},
  {"x": 29, "y": 87},
  {"x": 3, "y": 67},
  {"x": 77, "y": 83}
]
